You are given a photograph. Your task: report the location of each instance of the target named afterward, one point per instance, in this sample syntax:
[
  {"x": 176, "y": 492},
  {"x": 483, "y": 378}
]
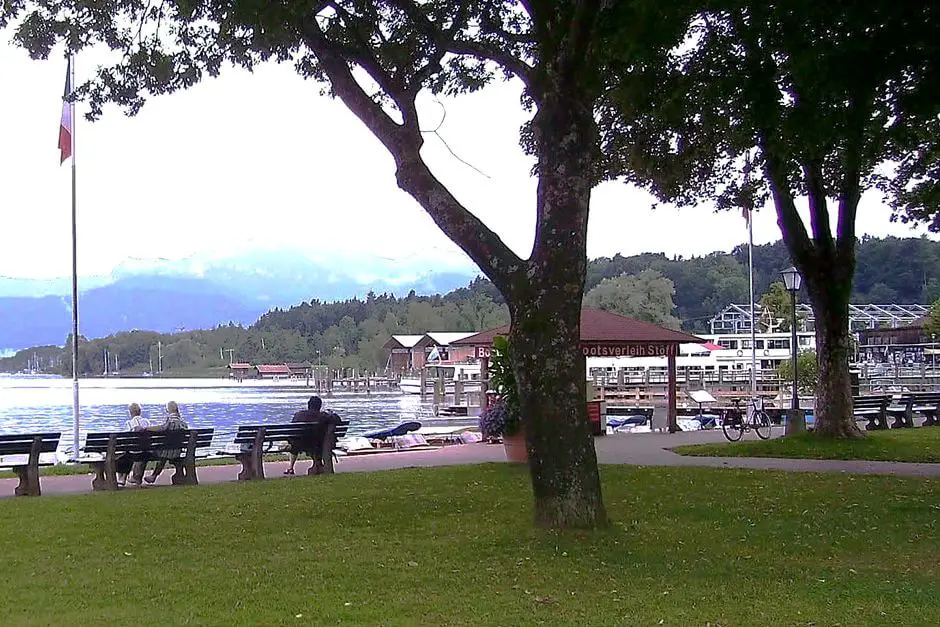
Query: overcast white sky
[{"x": 264, "y": 160}]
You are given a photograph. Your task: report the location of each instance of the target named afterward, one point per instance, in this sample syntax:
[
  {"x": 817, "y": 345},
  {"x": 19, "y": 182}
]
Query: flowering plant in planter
[
  {"x": 503, "y": 416},
  {"x": 495, "y": 421}
]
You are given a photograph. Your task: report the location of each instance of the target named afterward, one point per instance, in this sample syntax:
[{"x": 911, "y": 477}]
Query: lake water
[{"x": 43, "y": 403}]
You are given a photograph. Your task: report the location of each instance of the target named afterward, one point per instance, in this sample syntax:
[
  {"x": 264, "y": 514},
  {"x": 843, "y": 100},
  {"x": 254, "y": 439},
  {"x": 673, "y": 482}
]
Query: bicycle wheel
[
  {"x": 732, "y": 425},
  {"x": 762, "y": 424}
]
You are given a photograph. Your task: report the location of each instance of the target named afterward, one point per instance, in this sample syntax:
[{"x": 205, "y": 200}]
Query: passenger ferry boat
[
  {"x": 725, "y": 353},
  {"x": 449, "y": 371},
  {"x": 729, "y": 354}
]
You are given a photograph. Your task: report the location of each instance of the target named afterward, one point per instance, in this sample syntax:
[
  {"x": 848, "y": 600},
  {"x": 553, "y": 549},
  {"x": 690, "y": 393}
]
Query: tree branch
[
  {"x": 362, "y": 54},
  {"x": 522, "y": 70},
  {"x": 766, "y": 110},
  {"x": 404, "y": 143},
  {"x": 791, "y": 224},
  {"x": 331, "y": 59},
  {"x": 849, "y": 189},
  {"x": 818, "y": 205},
  {"x": 449, "y": 42},
  {"x": 484, "y": 246}
]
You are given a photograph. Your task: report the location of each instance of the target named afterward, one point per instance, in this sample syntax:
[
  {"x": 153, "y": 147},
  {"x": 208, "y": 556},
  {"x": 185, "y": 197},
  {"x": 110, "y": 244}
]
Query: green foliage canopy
[
  {"x": 932, "y": 321},
  {"x": 645, "y": 296},
  {"x": 789, "y": 100}
]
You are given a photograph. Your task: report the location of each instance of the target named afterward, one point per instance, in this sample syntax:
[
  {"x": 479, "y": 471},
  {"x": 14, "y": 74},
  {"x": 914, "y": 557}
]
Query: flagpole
[
  {"x": 75, "y": 403},
  {"x": 750, "y": 272},
  {"x": 750, "y": 263}
]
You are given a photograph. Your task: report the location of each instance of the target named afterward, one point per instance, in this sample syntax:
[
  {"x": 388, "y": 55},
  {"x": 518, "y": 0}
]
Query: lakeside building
[
  {"x": 243, "y": 370},
  {"x": 736, "y": 318},
  {"x": 410, "y": 353},
  {"x": 907, "y": 345}
]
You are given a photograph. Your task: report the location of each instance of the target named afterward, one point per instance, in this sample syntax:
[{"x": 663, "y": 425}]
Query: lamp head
[{"x": 792, "y": 279}]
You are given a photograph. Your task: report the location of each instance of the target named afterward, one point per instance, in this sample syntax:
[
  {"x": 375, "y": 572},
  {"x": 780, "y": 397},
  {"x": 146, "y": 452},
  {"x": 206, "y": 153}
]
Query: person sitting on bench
[
  {"x": 124, "y": 463},
  {"x": 313, "y": 445},
  {"x": 173, "y": 422}
]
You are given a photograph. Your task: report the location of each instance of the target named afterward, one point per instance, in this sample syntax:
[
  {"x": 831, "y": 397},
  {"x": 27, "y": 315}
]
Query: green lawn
[
  {"x": 894, "y": 445},
  {"x": 85, "y": 469},
  {"x": 454, "y": 546}
]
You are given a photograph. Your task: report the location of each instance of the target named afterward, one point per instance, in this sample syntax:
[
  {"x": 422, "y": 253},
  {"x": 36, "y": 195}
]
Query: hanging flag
[
  {"x": 746, "y": 214},
  {"x": 65, "y": 126},
  {"x": 435, "y": 355}
]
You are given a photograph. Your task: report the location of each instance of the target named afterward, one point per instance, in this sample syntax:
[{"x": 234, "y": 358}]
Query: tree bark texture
[
  {"x": 830, "y": 302},
  {"x": 545, "y": 307},
  {"x": 549, "y": 367}
]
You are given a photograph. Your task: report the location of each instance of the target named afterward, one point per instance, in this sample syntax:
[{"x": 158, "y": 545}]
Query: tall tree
[
  {"x": 377, "y": 56},
  {"x": 793, "y": 100},
  {"x": 645, "y": 296}
]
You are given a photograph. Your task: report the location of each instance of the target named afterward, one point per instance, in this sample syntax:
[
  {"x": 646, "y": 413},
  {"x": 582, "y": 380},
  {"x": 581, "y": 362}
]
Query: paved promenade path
[{"x": 638, "y": 449}]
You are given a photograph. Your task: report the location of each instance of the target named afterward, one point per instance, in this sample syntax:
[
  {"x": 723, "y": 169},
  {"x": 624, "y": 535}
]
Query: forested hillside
[
  {"x": 890, "y": 270},
  {"x": 351, "y": 333}
]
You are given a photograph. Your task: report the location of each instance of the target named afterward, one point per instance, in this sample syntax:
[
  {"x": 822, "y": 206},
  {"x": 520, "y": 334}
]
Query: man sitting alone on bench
[{"x": 313, "y": 445}]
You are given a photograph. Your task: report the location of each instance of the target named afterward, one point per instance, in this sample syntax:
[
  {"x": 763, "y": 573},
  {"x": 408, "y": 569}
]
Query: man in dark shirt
[{"x": 312, "y": 445}]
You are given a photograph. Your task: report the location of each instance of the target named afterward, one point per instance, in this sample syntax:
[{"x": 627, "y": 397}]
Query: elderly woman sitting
[
  {"x": 173, "y": 422},
  {"x": 126, "y": 462}
]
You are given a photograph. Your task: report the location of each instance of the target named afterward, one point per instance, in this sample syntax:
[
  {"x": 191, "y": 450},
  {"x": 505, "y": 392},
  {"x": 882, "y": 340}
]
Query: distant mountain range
[{"x": 202, "y": 292}]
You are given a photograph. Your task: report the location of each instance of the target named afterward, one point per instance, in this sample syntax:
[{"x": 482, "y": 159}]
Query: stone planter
[{"x": 514, "y": 445}]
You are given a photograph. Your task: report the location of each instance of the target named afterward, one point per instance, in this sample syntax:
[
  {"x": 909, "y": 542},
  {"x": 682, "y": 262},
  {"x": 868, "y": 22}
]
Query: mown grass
[
  {"x": 85, "y": 469},
  {"x": 455, "y": 546},
  {"x": 894, "y": 445}
]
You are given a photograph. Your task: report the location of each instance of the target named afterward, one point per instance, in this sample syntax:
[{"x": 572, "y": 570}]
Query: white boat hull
[{"x": 410, "y": 386}]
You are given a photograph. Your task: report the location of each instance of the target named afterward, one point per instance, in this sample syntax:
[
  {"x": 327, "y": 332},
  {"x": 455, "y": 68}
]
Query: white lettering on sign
[
  {"x": 483, "y": 352},
  {"x": 630, "y": 350}
]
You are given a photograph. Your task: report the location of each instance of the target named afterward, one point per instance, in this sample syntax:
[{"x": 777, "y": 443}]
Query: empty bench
[
  {"x": 30, "y": 445},
  {"x": 141, "y": 446},
  {"x": 925, "y": 403},
  {"x": 253, "y": 441},
  {"x": 874, "y": 408}
]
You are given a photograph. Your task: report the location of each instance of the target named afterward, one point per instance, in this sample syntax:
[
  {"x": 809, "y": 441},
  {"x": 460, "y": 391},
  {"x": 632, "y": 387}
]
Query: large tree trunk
[
  {"x": 545, "y": 304},
  {"x": 550, "y": 376},
  {"x": 830, "y": 302}
]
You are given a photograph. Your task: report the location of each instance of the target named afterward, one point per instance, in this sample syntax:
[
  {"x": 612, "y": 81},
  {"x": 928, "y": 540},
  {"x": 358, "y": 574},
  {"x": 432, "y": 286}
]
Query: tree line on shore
[{"x": 673, "y": 292}]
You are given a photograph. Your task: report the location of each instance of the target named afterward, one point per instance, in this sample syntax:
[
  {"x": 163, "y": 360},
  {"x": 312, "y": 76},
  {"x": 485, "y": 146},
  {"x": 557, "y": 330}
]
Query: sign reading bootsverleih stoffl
[
  {"x": 629, "y": 350},
  {"x": 611, "y": 350}
]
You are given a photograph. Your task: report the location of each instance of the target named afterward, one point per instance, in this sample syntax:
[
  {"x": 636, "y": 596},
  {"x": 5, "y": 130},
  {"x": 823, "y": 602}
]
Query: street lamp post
[{"x": 793, "y": 281}]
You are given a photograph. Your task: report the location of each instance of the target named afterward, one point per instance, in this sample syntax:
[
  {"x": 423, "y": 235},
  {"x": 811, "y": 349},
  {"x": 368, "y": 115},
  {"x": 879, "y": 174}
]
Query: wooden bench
[
  {"x": 925, "y": 403},
  {"x": 874, "y": 408},
  {"x": 31, "y": 445},
  {"x": 253, "y": 441},
  {"x": 141, "y": 445}
]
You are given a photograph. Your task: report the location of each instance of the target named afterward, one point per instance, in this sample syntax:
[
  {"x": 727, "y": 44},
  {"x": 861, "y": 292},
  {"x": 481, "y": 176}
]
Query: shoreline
[{"x": 184, "y": 381}]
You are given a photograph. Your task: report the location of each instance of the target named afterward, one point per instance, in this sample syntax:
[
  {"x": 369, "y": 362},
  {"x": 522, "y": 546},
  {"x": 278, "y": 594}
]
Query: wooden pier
[
  {"x": 453, "y": 398},
  {"x": 325, "y": 381}
]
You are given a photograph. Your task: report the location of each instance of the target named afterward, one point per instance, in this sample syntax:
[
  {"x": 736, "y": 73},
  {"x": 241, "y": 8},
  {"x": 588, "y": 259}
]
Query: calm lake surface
[{"x": 42, "y": 403}]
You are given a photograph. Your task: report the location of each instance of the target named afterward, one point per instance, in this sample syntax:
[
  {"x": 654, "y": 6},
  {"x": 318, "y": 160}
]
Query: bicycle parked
[{"x": 734, "y": 423}]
